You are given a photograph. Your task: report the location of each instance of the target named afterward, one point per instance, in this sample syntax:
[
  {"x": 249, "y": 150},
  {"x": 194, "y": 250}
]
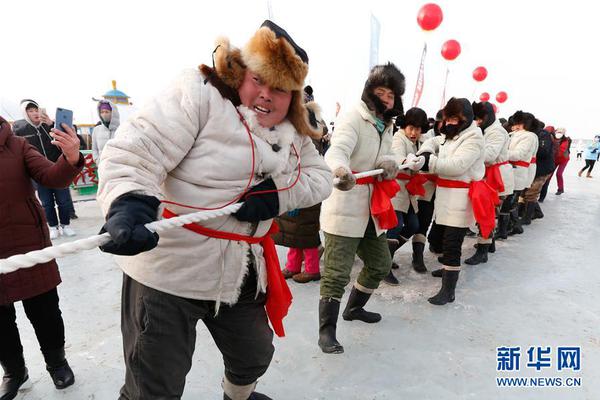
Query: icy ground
[{"x": 541, "y": 288}]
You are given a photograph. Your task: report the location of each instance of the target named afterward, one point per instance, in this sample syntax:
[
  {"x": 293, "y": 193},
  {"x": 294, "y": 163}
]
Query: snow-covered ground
[{"x": 541, "y": 288}]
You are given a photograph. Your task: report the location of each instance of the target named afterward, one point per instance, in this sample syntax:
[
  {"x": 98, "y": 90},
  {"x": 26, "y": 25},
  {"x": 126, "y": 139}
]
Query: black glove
[
  {"x": 260, "y": 207},
  {"x": 125, "y": 223},
  {"x": 425, "y": 166}
]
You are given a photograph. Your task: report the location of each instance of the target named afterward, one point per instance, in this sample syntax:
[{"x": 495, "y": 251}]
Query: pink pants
[
  {"x": 559, "y": 174},
  {"x": 311, "y": 260}
]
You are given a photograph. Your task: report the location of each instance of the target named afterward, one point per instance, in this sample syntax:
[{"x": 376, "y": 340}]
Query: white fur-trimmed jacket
[
  {"x": 461, "y": 159},
  {"x": 523, "y": 146},
  {"x": 401, "y": 148},
  {"x": 188, "y": 145},
  {"x": 496, "y": 151},
  {"x": 357, "y": 146}
]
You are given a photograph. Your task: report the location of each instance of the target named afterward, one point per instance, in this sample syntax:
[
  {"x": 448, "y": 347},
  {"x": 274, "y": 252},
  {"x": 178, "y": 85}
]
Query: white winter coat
[
  {"x": 523, "y": 146},
  {"x": 458, "y": 159},
  {"x": 101, "y": 134},
  {"x": 357, "y": 146},
  {"x": 189, "y": 146},
  {"x": 401, "y": 148},
  {"x": 496, "y": 151}
]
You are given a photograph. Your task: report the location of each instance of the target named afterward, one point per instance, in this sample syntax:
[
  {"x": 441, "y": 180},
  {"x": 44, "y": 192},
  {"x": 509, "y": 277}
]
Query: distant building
[{"x": 116, "y": 96}]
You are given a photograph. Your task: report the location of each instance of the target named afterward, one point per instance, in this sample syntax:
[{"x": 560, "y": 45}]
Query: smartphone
[{"x": 63, "y": 116}]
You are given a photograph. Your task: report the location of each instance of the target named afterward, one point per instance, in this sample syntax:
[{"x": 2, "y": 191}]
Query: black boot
[
  {"x": 537, "y": 213},
  {"x": 418, "y": 263},
  {"x": 480, "y": 256},
  {"x": 329, "y": 310},
  {"x": 390, "y": 279},
  {"x": 437, "y": 273},
  {"x": 521, "y": 207},
  {"x": 517, "y": 229},
  {"x": 446, "y": 293},
  {"x": 15, "y": 376},
  {"x": 58, "y": 367},
  {"x": 441, "y": 259},
  {"x": 393, "y": 245},
  {"x": 529, "y": 210},
  {"x": 491, "y": 249},
  {"x": 502, "y": 229},
  {"x": 253, "y": 396},
  {"x": 354, "y": 308}
]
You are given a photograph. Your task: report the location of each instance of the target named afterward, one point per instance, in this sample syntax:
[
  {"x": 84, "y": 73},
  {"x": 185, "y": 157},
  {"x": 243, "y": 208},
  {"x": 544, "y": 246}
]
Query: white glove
[
  {"x": 409, "y": 158},
  {"x": 417, "y": 163}
]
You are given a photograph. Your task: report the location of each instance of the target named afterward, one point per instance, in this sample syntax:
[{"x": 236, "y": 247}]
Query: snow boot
[
  {"x": 529, "y": 210},
  {"x": 437, "y": 273},
  {"x": 418, "y": 263},
  {"x": 446, "y": 293},
  {"x": 253, "y": 396},
  {"x": 491, "y": 249},
  {"x": 58, "y": 367},
  {"x": 559, "y": 192},
  {"x": 15, "y": 378},
  {"x": 354, "y": 308},
  {"x": 480, "y": 256},
  {"x": 329, "y": 310},
  {"x": 390, "y": 279},
  {"x": 502, "y": 230},
  {"x": 537, "y": 213},
  {"x": 393, "y": 245},
  {"x": 517, "y": 229}
]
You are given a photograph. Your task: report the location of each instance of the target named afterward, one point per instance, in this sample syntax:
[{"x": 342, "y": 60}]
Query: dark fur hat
[
  {"x": 415, "y": 117},
  {"x": 526, "y": 119},
  {"x": 273, "y": 55},
  {"x": 485, "y": 112},
  {"x": 459, "y": 108},
  {"x": 388, "y": 76}
]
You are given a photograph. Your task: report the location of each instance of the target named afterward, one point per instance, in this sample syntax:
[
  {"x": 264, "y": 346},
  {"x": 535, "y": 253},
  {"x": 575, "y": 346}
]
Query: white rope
[
  {"x": 372, "y": 172},
  {"x": 32, "y": 258}
]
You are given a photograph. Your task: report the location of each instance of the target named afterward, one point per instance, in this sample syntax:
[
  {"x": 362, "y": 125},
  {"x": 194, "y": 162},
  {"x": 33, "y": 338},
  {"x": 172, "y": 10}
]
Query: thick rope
[
  {"x": 372, "y": 172},
  {"x": 33, "y": 258}
]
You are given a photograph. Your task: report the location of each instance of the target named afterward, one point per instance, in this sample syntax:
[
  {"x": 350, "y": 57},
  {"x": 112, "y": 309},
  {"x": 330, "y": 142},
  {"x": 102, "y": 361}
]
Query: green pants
[{"x": 339, "y": 258}]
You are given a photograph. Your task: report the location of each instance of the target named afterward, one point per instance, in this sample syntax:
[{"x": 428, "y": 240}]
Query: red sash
[
  {"x": 493, "y": 176},
  {"x": 484, "y": 200},
  {"x": 279, "y": 297},
  {"x": 381, "y": 200},
  {"x": 523, "y": 164},
  {"x": 533, "y": 160}
]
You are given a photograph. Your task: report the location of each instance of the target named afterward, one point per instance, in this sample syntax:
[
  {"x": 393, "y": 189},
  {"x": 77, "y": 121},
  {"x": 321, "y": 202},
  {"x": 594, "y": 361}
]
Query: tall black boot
[
  {"x": 517, "y": 229},
  {"x": 418, "y": 263},
  {"x": 446, "y": 293},
  {"x": 58, "y": 367},
  {"x": 480, "y": 256},
  {"x": 393, "y": 245},
  {"x": 502, "y": 229},
  {"x": 492, "y": 248},
  {"x": 15, "y": 376},
  {"x": 391, "y": 279},
  {"x": 329, "y": 310},
  {"x": 537, "y": 213},
  {"x": 529, "y": 210},
  {"x": 354, "y": 308}
]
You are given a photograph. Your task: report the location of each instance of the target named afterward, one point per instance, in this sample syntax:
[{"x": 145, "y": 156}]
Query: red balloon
[
  {"x": 450, "y": 49},
  {"x": 495, "y": 108},
  {"x": 501, "y": 97},
  {"x": 430, "y": 16},
  {"x": 479, "y": 74},
  {"x": 485, "y": 96}
]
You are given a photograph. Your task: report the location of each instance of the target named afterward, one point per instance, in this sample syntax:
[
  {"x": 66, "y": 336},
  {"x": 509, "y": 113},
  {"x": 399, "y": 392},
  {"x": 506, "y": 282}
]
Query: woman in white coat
[
  {"x": 457, "y": 158},
  {"x": 361, "y": 142},
  {"x": 404, "y": 147},
  {"x": 499, "y": 172}
]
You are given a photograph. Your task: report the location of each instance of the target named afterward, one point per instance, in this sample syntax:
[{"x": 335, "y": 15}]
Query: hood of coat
[
  {"x": 24, "y": 104},
  {"x": 115, "y": 118}
]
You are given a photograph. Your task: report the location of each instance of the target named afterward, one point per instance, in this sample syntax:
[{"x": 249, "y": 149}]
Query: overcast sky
[{"x": 543, "y": 54}]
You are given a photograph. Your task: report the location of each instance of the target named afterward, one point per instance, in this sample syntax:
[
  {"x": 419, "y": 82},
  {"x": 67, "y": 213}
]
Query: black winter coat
[
  {"x": 545, "y": 155},
  {"x": 39, "y": 138}
]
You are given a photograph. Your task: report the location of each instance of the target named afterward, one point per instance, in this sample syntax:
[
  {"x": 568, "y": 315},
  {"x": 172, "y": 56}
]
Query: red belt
[
  {"x": 484, "y": 200},
  {"x": 493, "y": 176},
  {"x": 381, "y": 200},
  {"x": 533, "y": 160},
  {"x": 279, "y": 297},
  {"x": 524, "y": 164}
]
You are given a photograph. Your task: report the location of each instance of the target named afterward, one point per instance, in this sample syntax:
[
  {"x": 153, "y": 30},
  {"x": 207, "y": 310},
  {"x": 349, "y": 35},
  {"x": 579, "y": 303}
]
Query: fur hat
[
  {"x": 459, "y": 108},
  {"x": 415, "y": 117},
  {"x": 388, "y": 76},
  {"x": 526, "y": 119},
  {"x": 273, "y": 55},
  {"x": 485, "y": 112}
]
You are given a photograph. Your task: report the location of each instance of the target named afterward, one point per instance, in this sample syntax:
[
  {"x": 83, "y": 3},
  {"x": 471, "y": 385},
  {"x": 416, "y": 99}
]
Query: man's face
[
  {"x": 270, "y": 104},
  {"x": 413, "y": 133},
  {"x": 34, "y": 115},
  {"x": 518, "y": 127},
  {"x": 386, "y": 96},
  {"x": 105, "y": 115},
  {"x": 452, "y": 121}
]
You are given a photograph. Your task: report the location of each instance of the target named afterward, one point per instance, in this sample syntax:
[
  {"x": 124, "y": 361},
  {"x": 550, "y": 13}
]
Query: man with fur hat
[
  {"x": 405, "y": 144},
  {"x": 235, "y": 132},
  {"x": 498, "y": 171},
  {"x": 355, "y": 217},
  {"x": 457, "y": 158},
  {"x": 521, "y": 154}
]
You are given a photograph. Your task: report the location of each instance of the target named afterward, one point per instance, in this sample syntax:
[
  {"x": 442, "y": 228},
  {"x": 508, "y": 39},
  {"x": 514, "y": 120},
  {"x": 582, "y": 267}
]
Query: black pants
[
  {"x": 159, "y": 336},
  {"x": 425, "y": 215},
  {"x": 45, "y": 316},
  {"x": 453, "y": 238},
  {"x": 588, "y": 164},
  {"x": 408, "y": 225}
]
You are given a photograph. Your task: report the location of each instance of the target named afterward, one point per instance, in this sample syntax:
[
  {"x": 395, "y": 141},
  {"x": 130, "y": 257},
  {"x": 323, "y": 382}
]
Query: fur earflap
[
  {"x": 523, "y": 118},
  {"x": 228, "y": 63},
  {"x": 299, "y": 117},
  {"x": 485, "y": 112},
  {"x": 315, "y": 119},
  {"x": 388, "y": 76}
]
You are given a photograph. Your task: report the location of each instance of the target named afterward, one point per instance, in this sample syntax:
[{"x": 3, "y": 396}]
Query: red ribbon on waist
[
  {"x": 381, "y": 200},
  {"x": 484, "y": 200},
  {"x": 523, "y": 164},
  {"x": 533, "y": 160},
  {"x": 493, "y": 176},
  {"x": 279, "y": 296}
]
